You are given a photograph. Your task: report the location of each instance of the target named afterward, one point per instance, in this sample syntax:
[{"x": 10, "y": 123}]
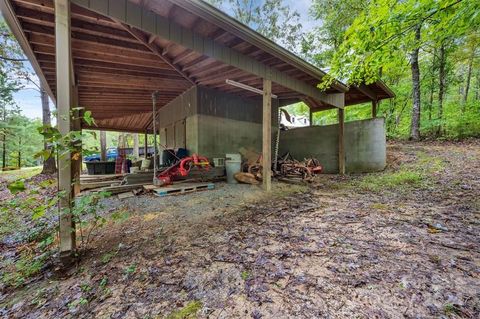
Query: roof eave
[{"x": 232, "y": 25}]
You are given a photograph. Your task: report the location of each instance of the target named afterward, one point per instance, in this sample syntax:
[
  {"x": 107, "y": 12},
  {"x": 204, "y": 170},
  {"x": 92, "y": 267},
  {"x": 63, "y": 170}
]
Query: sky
[{"x": 29, "y": 99}]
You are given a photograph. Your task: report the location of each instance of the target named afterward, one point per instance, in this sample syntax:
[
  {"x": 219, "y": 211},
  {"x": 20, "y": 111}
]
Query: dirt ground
[{"x": 401, "y": 243}]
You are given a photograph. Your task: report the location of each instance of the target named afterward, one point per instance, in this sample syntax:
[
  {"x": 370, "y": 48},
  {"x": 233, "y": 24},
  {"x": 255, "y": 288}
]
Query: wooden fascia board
[
  {"x": 148, "y": 21},
  {"x": 14, "y": 25},
  {"x": 385, "y": 88}
]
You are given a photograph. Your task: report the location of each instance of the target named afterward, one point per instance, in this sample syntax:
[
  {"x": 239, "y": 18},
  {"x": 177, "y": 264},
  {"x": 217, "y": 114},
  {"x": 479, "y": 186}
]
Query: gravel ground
[{"x": 223, "y": 197}]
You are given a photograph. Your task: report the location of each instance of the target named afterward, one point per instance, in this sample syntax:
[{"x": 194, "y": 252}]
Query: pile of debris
[
  {"x": 285, "y": 168},
  {"x": 290, "y": 168}
]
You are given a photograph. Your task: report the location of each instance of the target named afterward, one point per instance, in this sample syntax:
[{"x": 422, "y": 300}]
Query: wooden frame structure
[{"x": 109, "y": 56}]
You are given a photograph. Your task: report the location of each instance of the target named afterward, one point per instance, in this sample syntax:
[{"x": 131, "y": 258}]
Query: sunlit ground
[{"x": 25, "y": 172}]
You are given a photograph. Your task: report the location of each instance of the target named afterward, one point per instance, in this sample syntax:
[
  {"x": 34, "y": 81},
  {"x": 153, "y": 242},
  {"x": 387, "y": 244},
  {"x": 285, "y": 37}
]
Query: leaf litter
[{"x": 331, "y": 251}]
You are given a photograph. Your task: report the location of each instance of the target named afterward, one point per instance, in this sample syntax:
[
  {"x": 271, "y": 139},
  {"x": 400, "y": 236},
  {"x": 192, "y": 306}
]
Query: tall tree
[
  {"x": 334, "y": 17},
  {"x": 272, "y": 18},
  {"x": 387, "y": 31},
  {"x": 416, "y": 90}
]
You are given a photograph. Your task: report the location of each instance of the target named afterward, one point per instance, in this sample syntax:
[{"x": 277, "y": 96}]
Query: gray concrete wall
[
  {"x": 218, "y": 136},
  {"x": 365, "y": 145},
  {"x": 216, "y": 123}
]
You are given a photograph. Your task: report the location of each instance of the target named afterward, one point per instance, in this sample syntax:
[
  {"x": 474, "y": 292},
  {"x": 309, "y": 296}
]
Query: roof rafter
[
  {"x": 145, "y": 41},
  {"x": 141, "y": 18}
]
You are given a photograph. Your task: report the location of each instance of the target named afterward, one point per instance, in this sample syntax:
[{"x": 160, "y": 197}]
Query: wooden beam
[
  {"x": 368, "y": 92},
  {"x": 141, "y": 37},
  {"x": 341, "y": 141},
  {"x": 64, "y": 100},
  {"x": 267, "y": 135},
  {"x": 144, "y": 19}
]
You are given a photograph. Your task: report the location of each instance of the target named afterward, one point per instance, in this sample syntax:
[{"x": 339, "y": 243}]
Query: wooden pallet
[{"x": 182, "y": 189}]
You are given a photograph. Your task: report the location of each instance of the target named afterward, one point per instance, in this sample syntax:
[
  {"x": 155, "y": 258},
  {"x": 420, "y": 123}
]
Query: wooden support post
[
  {"x": 145, "y": 150},
  {"x": 76, "y": 158},
  {"x": 267, "y": 135},
  {"x": 103, "y": 146},
  {"x": 136, "y": 146},
  {"x": 341, "y": 141},
  {"x": 310, "y": 114},
  {"x": 64, "y": 99},
  {"x": 374, "y": 108}
]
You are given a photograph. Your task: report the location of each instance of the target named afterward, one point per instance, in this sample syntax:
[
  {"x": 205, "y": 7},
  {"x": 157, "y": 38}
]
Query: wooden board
[
  {"x": 149, "y": 187},
  {"x": 182, "y": 189},
  {"x": 125, "y": 195},
  {"x": 85, "y": 186}
]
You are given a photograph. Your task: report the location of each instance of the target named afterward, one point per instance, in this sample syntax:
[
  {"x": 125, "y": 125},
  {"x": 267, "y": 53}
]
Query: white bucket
[
  {"x": 134, "y": 169},
  {"x": 232, "y": 168},
  {"x": 145, "y": 164}
]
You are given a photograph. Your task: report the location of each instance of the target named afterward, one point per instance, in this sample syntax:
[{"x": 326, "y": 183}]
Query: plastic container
[
  {"x": 232, "y": 167},
  {"x": 100, "y": 168},
  {"x": 134, "y": 170},
  {"x": 218, "y": 162},
  {"x": 233, "y": 157},
  {"x": 145, "y": 164}
]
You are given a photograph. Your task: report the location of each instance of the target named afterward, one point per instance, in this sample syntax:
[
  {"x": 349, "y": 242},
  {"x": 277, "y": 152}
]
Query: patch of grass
[
  {"x": 120, "y": 216},
  {"x": 451, "y": 309},
  {"x": 429, "y": 163},
  {"x": 131, "y": 269},
  {"x": 394, "y": 180},
  {"x": 379, "y": 206},
  {"x": 107, "y": 257},
  {"x": 23, "y": 173},
  {"x": 27, "y": 266},
  {"x": 187, "y": 312},
  {"x": 245, "y": 275},
  {"x": 415, "y": 174}
]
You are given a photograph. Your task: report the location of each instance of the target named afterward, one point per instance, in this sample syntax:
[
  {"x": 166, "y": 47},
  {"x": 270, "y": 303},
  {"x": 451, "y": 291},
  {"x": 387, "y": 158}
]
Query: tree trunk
[
  {"x": 103, "y": 146},
  {"x": 477, "y": 90},
  {"x": 4, "y": 138},
  {"x": 49, "y": 166},
  {"x": 441, "y": 85},
  {"x": 415, "y": 125},
  {"x": 136, "y": 152},
  {"x": 19, "y": 162},
  {"x": 4, "y": 150},
  {"x": 432, "y": 86},
  {"x": 469, "y": 76}
]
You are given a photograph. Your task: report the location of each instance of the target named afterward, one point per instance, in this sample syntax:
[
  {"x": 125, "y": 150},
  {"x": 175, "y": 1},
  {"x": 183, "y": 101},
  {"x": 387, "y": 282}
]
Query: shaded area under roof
[{"x": 118, "y": 65}]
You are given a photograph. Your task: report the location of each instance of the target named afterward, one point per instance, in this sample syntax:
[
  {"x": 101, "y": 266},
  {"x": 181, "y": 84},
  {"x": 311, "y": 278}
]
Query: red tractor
[{"x": 181, "y": 168}]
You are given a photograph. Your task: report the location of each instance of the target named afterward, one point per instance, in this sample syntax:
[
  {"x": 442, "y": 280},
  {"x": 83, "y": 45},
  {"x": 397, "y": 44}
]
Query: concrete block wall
[{"x": 365, "y": 145}]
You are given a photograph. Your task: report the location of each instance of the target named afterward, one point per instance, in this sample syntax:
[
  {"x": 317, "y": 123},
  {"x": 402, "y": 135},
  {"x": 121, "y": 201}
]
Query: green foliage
[
  {"x": 86, "y": 213},
  {"x": 24, "y": 268},
  {"x": 408, "y": 177},
  {"x": 189, "y": 311},
  {"x": 272, "y": 18},
  {"x": 17, "y": 186},
  {"x": 390, "y": 181},
  {"x": 245, "y": 275}
]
